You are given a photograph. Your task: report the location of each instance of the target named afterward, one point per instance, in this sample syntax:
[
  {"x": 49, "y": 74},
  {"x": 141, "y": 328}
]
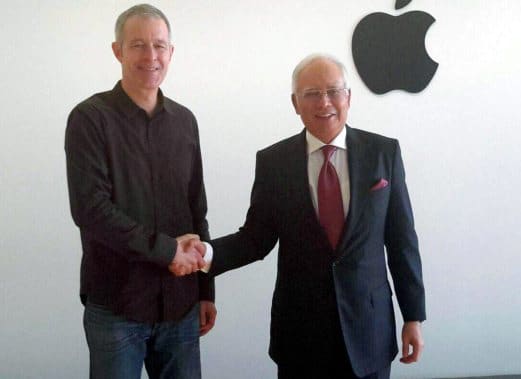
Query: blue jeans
[{"x": 118, "y": 347}]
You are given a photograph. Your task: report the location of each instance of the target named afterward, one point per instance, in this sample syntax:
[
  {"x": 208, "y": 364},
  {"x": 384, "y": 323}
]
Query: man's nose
[
  {"x": 150, "y": 52},
  {"x": 324, "y": 99}
]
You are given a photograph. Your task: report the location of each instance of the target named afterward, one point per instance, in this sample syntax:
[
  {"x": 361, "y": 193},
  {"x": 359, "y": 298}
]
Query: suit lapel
[
  {"x": 361, "y": 164},
  {"x": 298, "y": 169}
]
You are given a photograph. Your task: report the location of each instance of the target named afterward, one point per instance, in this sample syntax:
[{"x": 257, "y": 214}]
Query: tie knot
[{"x": 328, "y": 151}]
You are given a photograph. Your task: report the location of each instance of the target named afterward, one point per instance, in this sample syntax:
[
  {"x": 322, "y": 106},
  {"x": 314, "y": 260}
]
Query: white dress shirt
[{"x": 338, "y": 159}]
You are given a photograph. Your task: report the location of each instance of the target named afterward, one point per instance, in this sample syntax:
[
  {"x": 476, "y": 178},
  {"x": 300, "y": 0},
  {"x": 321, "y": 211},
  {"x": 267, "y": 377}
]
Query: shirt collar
[
  {"x": 314, "y": 144},
  {"x": 129, "y": 108}
]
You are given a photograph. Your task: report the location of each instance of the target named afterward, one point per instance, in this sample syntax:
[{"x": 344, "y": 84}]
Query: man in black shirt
[{"x": 135, "y": 182}]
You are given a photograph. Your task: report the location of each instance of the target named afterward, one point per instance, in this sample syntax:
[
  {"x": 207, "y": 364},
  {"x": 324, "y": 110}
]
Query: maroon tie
[{"x": 330, "y": 208}]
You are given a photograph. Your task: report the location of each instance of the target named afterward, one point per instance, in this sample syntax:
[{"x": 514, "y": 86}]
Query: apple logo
[{"x": 389, "y": 51}]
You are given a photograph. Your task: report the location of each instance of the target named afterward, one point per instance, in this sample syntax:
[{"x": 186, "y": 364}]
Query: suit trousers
[
  {"x": 326, "y": 358},
  {"x": 332, "y": 371}
]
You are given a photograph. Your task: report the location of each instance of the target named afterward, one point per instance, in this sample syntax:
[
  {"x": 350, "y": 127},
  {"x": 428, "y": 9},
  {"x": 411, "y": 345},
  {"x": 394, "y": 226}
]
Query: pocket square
[{"x": 382, "y": 183}]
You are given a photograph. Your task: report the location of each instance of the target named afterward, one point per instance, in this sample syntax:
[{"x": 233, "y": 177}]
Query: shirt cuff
[{"x": 208, "y": 256}]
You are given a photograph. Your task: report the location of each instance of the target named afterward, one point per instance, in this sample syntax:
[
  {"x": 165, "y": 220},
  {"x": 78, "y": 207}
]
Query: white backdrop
[{"x": 460, "y": 141}]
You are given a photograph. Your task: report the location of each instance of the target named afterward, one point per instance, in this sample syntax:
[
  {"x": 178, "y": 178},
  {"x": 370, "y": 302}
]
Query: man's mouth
[{"x": 325, "y": 115}]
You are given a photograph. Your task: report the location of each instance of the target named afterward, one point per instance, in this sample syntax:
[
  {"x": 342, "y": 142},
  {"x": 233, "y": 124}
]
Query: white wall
[{"x": 232, "y": 67}]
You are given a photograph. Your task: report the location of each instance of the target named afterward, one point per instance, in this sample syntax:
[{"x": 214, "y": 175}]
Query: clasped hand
[{"x": 189, "y": 255}]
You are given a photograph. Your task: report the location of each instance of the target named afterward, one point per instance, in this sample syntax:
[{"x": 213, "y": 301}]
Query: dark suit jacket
[{"x": 317, "y": 286}]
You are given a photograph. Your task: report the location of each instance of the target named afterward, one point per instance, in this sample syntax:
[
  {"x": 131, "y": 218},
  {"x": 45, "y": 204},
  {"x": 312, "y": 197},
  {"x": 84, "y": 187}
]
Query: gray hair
[
  {"x": 312, "y": 58},
  {"x": 141, "y": 10}
]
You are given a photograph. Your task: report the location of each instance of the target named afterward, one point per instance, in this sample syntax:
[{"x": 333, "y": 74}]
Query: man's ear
[
  {"x": 171, "y": 51},
  {"x": 295, "y": 104},
  {"x": 116, "y": 49}
]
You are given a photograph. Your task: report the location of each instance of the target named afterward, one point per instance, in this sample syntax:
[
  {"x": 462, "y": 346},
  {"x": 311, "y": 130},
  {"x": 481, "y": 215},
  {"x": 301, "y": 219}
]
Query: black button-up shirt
[{"x": 135, "y": 183}]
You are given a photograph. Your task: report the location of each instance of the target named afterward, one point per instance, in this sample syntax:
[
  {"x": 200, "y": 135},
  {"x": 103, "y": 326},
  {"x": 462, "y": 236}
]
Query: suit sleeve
[
  {"x": 402, "y": 246},
  {"x": 257, "y": 237},
  {"x": 90, "y": 191}
]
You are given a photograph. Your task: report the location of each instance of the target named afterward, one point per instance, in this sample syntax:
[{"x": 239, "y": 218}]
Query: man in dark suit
[{"x": 332, "y": 310}]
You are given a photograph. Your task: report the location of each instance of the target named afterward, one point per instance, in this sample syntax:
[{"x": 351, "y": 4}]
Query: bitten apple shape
[{"x": 389, "y": 51}]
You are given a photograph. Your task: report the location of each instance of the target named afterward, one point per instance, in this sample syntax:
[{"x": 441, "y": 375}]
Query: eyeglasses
[{"x": 334, "y": 94}]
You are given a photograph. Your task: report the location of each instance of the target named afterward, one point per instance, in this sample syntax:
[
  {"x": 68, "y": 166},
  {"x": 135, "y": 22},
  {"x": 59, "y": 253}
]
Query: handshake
[{"x": 189, "y": 256}]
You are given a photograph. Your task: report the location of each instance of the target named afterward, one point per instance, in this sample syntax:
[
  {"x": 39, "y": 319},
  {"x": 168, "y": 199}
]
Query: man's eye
[{"x": 312, "y": 94}]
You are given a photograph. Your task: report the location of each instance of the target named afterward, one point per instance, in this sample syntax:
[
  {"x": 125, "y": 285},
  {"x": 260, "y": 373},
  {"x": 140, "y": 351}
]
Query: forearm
[
  {"x": 104, "y": 223},
  {"x": 241, "y": 248}
]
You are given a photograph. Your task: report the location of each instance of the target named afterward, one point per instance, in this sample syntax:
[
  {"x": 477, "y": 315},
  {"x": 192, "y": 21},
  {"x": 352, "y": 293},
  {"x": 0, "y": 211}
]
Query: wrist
[{"x": 208, "y": 256}]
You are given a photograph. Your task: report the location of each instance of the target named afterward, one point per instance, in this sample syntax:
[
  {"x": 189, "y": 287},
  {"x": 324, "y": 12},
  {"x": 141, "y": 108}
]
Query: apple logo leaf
[
  {"x": 389, "y": 51},
  {"x": 401, "y": 3}
]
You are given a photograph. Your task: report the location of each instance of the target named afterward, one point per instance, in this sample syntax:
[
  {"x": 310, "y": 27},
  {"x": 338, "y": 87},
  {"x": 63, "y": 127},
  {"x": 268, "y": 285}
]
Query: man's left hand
[
  {"x": 207, "y": 315},
  {"x": 411, "y": 336}
]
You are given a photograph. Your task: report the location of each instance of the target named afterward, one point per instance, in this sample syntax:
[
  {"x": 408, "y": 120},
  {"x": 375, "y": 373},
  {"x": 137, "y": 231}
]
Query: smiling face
[
  {"x": 324, "y": 116},
  {"x": 145, "y": 53}
]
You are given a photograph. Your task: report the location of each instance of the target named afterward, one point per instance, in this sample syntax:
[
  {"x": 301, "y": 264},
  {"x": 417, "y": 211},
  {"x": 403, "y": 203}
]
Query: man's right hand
[{"x": 188, "y": 256}]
